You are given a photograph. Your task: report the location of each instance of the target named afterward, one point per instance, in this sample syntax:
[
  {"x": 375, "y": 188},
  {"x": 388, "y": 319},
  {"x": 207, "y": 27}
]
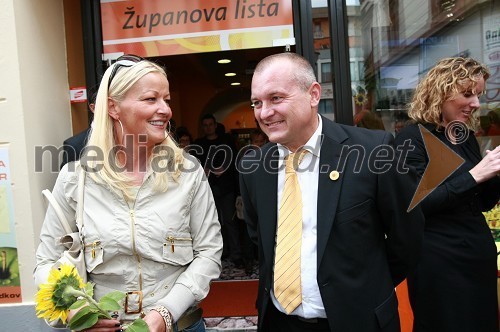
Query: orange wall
[
  {"x": 240, "y": 117},
  {"x": 192, "y": 96}
]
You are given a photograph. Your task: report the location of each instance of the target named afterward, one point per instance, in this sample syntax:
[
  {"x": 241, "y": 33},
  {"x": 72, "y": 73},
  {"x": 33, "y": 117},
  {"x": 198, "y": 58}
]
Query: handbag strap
[
  {"x": 57, "y": 208},
  {"x": 81, "y": 187}
]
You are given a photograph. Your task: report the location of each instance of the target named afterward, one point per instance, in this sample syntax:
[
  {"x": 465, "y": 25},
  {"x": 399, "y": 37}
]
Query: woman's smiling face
[
  {"x": 462, "y": 105},
  {"x": 145, "y": 110}
]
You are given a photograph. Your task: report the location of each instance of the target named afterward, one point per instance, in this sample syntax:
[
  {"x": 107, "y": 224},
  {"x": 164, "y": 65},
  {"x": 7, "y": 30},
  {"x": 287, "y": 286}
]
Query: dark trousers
[
  {"x": 249, "y": 249},
  {"x": 276, "y": 321},
  {"x": 225, "y": 204}
]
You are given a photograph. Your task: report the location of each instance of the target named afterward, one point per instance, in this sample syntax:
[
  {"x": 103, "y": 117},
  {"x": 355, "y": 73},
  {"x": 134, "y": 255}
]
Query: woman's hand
[
  {"x": 155, "y": 322},
  {"x": 488, "y": 167}
]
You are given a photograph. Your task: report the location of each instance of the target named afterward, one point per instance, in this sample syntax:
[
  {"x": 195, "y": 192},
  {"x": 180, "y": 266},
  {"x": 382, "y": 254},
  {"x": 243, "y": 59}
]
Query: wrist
[
  {"x": 167, "y": 317},
  {"x": 477, "y": 177}
]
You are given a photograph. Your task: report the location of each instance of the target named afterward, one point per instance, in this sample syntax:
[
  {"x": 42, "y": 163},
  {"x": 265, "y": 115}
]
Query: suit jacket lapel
[
  {"x": 269, "y": 199},
  {"x": 328, "y": 189}
]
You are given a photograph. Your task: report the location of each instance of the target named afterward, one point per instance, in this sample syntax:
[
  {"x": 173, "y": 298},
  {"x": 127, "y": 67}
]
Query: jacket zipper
[
  {"x": 93, "y": 245},
  {"x": 172, "y": 240},
  {"x": 134, "y": 248}
]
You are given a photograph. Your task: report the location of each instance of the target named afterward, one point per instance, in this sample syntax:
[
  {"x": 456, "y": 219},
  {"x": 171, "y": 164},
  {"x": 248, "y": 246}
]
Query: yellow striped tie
[{"x": 287, "y": 287}]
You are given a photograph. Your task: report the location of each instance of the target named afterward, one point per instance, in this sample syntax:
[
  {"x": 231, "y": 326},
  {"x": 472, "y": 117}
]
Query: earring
[
  {"x": 123, "y": 132},
  {"x": 167, "y": 131}
]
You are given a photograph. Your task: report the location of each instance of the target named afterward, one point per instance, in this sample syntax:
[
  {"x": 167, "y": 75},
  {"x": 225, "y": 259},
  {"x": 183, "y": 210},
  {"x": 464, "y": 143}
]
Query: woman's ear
[{"x": 113, "y": 109}]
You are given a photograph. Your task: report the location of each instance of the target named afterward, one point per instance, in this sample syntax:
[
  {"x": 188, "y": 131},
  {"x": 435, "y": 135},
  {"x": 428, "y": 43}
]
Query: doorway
[{"x": 199, "y": 84}]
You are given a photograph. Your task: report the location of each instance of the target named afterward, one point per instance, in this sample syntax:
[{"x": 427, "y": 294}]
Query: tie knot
[{"x": 293, "y": 160}]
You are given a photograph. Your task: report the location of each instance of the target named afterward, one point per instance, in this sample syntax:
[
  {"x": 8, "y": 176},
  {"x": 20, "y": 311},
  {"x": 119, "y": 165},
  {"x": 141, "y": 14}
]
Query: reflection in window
[
  {"x": 325, "y": 108},
  {"x": 325, "y": 70},
  {"x": 394, "y": 43},
  {"x": 322, "y": 44}
]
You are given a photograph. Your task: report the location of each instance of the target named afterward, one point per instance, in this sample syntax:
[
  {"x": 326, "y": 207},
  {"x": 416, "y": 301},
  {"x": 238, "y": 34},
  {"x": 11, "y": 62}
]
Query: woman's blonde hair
[
  {"x": 446, "y": 79},
  {"x": 167, "y": 155}
]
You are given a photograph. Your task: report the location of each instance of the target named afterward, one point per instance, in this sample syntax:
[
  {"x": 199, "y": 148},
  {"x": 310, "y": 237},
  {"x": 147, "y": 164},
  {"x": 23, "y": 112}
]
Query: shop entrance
[{"x": 201, "y": 84}]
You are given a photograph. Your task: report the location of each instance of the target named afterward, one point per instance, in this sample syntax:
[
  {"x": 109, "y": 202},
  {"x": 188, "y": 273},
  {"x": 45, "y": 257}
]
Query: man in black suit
[
  {"x": 215, "y": 152},
  {"x": 73, "y": 146},
  {"x": 358, "y": 241}
]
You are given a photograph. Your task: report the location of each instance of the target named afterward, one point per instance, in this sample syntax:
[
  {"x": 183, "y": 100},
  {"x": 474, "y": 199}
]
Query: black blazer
[
  {"x": 367, "y": 242},
  {"x": 458, "y": 264},
  {"x": 74, "y": 145}
]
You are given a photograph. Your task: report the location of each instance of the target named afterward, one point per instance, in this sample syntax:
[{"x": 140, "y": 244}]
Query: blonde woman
[
  {"x": 150, "y": 222},
  {"x": 454, "y": 287}
]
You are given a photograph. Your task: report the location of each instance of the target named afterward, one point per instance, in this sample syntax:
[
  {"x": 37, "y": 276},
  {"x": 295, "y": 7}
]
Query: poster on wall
[
  {"x": 10, "y": 284},
  {"x": 158, "y": 27}
]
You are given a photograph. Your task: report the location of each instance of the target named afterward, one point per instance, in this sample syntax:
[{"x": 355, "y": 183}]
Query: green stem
[{"x": 77, "y": 293}]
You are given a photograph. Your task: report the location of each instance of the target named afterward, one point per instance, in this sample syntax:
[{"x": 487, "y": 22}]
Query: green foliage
[
  {"x": 78, "y": 304},
  {"x": 138, "y": 326},
  {"x": 108, "y": 304},
  {"x": 116, "y": 296},
  {"x": 89, "y": 289},
  {"x": 84, "y": 319}
]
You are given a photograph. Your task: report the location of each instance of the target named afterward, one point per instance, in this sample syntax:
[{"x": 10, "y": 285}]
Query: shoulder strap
[
  {"x": 57, "y": 208},
  {"x": 64, "y": 222},
  {"x": 81, "y": 187}
]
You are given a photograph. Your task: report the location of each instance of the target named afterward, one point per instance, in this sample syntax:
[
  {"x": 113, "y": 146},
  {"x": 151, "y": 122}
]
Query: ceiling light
[
  {"x": 222, "y": 61},
  {"x": 230, "y": 74},
  {"x": 235, "y": 83}
]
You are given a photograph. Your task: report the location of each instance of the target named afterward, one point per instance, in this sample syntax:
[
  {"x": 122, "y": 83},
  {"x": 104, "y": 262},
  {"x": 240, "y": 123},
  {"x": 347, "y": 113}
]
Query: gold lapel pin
[{"x": 334, "y": 175}]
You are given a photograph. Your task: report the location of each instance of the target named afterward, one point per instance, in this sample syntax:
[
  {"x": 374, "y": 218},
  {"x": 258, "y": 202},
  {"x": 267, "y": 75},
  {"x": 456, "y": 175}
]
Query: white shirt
[{"x": 307, "y": 174}]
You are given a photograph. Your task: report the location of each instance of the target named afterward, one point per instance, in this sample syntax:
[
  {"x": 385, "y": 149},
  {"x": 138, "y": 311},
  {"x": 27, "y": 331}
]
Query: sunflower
[
  {"x": 493, "y": 220},
  {"x": 56, "y": 296},
  {"x": 360, "y": 98}
]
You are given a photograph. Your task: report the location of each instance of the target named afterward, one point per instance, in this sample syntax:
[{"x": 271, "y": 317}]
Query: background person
[
  {"x": 258, "y": 138},
  {"x": 494, "y": 127},
  {"x": 74, "y": 145},
  {"x": 357, "y": 243},
  {"x": 153, "y": 229},
  {"x": 454, "y": 287},
  {"x": 184, "y": 137},
  {"x": 250, "y": 254},
  {"x": 216, "y": 153}
]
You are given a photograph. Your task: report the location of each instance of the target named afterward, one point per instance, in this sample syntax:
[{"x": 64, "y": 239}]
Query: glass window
[
  {"x": 322, "y": 44},
  {"x": 325, "y": 70},
  {"x": 398, "y": 41}
]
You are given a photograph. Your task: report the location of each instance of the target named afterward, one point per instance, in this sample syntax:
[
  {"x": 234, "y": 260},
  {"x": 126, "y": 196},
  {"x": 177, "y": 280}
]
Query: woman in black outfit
[{"x": 454, "y": 287}]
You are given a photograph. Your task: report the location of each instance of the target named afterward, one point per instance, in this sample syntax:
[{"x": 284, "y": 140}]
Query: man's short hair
[{"x": 208, "y": 116}]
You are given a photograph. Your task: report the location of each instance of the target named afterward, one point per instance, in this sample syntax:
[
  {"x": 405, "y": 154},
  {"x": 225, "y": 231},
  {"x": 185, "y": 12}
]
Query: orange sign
[
  {"x": 10, "y": 294},
  {"x": 159, "y": 27}
]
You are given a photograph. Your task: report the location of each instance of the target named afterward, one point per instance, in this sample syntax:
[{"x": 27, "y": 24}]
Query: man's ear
[
  {"x": 113, "y": 109},
  {"x": 315, "y": 92}
]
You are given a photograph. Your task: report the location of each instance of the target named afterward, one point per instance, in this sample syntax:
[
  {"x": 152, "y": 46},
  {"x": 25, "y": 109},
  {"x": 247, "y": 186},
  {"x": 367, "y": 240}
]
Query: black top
[
  {"x": 74, "y": 145},
  {"x": 217, "y": 153},
  {"x": 454, "y": 286}
]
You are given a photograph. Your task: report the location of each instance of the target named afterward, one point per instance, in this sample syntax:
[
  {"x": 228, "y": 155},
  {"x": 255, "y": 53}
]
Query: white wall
[{"x": 34, "y": 110}]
